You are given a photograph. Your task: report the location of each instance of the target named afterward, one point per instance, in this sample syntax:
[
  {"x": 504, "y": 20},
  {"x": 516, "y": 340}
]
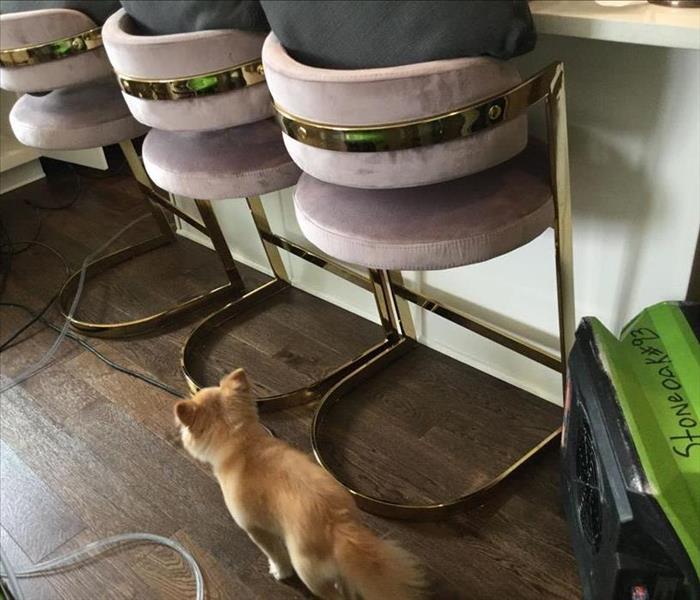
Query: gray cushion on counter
[
  {"x": 97, "y": 10},
  {"x": 363, "y": 35},
  {"x": 156, "y": 17}
]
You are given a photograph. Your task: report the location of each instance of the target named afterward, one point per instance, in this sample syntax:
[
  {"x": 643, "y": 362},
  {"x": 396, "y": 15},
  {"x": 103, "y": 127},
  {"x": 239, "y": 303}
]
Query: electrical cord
[
  {"x": 5, "y": 255},
  {"x": 77, "y": 193},
  {"x": 109, "y": 362},
  {"x": 40, "y": 316},
  {"x": 51, "y": 249},
  {"x": 4, "y": 237},
  {"x": 90, "y": 348},
  {"x": 11, "y": 577},
  {"x": 46, "y": 358},
  {"x": 93, "y": 549},
  {"x": 12, "y": 341},
  {"x": 27, "y": 245},
  {"x": 100, "y": 546},
  {"x": 7, "y": 344}
]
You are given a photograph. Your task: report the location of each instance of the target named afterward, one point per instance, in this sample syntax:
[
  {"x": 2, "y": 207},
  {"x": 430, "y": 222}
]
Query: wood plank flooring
[{"x": 87, "y": 452}]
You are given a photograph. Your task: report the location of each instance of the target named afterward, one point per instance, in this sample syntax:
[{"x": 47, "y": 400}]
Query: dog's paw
[{"x": 280, "y": 572}]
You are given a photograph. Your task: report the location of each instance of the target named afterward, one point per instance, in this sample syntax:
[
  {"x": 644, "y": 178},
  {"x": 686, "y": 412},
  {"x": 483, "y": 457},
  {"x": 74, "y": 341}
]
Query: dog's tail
[{"x": 376, "y": 569}]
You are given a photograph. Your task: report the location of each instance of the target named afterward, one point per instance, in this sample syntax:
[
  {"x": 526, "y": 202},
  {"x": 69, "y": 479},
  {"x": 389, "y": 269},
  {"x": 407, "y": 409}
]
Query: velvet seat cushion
[
  {"x": 181, "y": 55},
  {"x": 248, "y": 160},
  {"x": 83, "y": 116},
  {"x": 375, "y": 97},
  {"x": 32, "y": 27},
  {"x": 438, "y": 226}
]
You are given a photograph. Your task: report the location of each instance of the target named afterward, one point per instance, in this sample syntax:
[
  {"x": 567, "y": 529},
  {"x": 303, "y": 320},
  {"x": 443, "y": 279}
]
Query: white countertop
[{"x": 638, "y": 23}]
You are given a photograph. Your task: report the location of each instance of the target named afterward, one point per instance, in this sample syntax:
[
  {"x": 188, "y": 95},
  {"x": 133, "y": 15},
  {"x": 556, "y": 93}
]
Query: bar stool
[
  {"x": 420, "y": 167},
  {"x": 60, "y": 51},
  {"x": 213, "y": 138}
]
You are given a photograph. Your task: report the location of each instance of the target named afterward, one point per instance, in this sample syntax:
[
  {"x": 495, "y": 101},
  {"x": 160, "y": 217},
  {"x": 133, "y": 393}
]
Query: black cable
[
  {"x": 51, "y": 249},
  {"x": 5, "y": 257},
  {"x": 138, "y": 375},
  {"x": 76, "y": 194},
  {"x": 27, "y": 245},
  {"x": 6, "y": 245},
  {"x": 7, "y": 344}
]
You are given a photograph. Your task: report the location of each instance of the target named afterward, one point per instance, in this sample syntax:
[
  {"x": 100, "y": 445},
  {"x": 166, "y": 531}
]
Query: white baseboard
[
  {"x": 90, "y": 157},
  {"x": 20, "y": 175},
  {"x": 192, "y": 234}
]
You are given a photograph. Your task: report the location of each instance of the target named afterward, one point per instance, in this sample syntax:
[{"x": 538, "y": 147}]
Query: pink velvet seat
[
  {"x": 209, "y": 146},
  {"x": 85, "y": 108},
  {"x": 82, "y": 116},
  {"x": 438, "y": 226},
  {"x": 236, "y": 162},
  {"x": 179, "y": 55},
  {"x": 366, "y": 98},
  {"x": 33, "y": 27},
  {"x": 213, "y": 139},
  {"x": 423, "y": 167}
]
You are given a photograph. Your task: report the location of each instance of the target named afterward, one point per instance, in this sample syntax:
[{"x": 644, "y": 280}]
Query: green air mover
[{"x": 631, "y": 456}]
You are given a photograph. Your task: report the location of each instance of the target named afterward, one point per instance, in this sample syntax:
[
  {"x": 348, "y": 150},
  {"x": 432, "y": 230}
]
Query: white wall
[{"x": 634, "y": 128}]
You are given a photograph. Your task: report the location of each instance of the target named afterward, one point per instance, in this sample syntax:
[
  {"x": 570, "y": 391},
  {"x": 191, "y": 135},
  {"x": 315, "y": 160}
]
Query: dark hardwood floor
[{"x": 88, "y": 452}]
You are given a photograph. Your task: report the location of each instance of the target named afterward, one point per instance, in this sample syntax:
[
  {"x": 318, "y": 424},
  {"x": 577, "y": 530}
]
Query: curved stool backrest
[
  {"x": 194, "y": 81},
  {"x": 47, "y": 49},
  {"x": 364, "y": 101}
]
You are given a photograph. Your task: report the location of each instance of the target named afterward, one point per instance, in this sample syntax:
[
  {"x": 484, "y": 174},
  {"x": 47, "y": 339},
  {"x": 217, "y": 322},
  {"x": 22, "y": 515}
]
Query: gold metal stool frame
[
  {"x": 271, "y": 244},
  {"x": 547, "y": 85},
  {"x": 246, "y": 74},
  {"x": 156, "y": 204}
]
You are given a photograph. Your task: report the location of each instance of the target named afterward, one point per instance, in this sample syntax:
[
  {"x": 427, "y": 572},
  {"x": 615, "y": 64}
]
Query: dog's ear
[
  {"x": 186, "y": 412},
  {"x": 236, "y": 381}
]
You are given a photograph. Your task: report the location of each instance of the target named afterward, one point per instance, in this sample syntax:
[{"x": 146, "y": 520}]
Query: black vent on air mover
[
  {"x": 623, "y": 543},
  {"x": 588, "y": 501}
]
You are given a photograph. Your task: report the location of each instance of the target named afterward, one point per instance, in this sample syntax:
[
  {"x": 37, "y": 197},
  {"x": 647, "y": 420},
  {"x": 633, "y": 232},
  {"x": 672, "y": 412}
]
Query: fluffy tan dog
[{"x": 295, "y": 512}]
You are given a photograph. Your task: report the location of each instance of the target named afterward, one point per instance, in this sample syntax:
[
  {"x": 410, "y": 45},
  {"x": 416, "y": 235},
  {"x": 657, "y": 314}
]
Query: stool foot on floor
[
  {"x": 231, "y": 311},
  {"x": 398, "y": 510}
]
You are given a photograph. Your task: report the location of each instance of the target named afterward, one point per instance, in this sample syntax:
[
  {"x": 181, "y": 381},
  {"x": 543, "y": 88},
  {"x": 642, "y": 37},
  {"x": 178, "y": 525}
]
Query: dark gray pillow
[
  {"x": 97, "y": 10},
  {"x": 343, "y": 34},
  {"x": 158, "y": 17}
]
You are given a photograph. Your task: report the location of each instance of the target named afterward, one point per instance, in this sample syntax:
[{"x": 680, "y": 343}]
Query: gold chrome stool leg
[
  {"x": 219, "y": 242},
  {"x": 561, "y": 187},
  {"x": 156, "y": 205},
  {"x": 387, "y": 288},
  {"x": 387, "y": 294},
  {"x": 272, "y": 243}
]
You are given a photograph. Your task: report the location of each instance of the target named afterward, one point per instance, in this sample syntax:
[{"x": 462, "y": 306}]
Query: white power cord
[
  {"x": 93, "y": 549},
  {"x": 12, "y": 583},
  {"x": 100, "y": 546}
]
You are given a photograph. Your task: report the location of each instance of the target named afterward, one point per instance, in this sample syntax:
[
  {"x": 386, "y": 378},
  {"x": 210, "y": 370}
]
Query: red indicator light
[{"x": 640, "y": 592}]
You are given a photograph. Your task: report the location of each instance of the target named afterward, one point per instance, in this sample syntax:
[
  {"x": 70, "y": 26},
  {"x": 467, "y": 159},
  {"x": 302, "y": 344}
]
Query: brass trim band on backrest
[
  {"x": 206, "y": 84},
  {"x": 54, "y": 50},
  {"x": 423, "y": 132}
]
